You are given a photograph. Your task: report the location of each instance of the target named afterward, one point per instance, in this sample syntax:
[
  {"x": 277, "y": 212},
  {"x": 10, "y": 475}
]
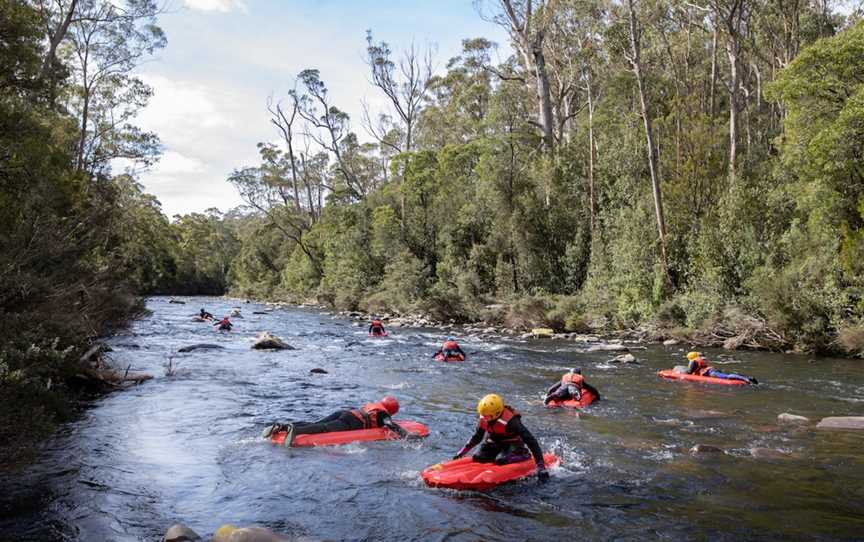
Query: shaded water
[{"x": 186, "y": 447}]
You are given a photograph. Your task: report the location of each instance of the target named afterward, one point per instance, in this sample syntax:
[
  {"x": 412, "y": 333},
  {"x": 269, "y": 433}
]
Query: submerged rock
[
  {"x": 202, "y": 346},
  {"x": 768, "y": 453},
  {"x": 268, "y": 341},
  {"x": 624, "y": 358},
  {"x": 792, "y": 418},
  {"x": 176, "y": 301},
  {"x": 317, "y": 371},
  {"x": 842, "y": 422},
  {"x": 705, "y": 449},
  {"x": 612, "y": 347}
]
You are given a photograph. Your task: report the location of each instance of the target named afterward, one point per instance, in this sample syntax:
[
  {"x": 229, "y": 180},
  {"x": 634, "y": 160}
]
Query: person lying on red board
[
  {"x": 570, "y": 387},
  {"x": 698, "y": 366},
  {"x": 368, "y": 416}
]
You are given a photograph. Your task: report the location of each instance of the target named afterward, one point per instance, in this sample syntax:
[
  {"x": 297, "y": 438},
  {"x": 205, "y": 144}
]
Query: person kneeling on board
[
  {"x": 224, "y": 324},
  {"x": 507, "y": 440},
  {"x": 570, "y": 387},
  {"x": 377, "y": 327},
  {"x": 369, "y": 416}
]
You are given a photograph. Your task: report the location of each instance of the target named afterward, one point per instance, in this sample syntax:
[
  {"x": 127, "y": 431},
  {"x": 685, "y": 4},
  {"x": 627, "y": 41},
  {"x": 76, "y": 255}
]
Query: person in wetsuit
[
  {"x": 449, "y": 349},
  {"x": 377, "y": 327},
  {"x": 570, "y": 387},
  {"x": 224, "y": 324},
  {"x": 698, "y": 366},
  {"x": 369, "y": 416},
  {"x": 507, "y": 440},
  {"x": 205, "y": 315}
]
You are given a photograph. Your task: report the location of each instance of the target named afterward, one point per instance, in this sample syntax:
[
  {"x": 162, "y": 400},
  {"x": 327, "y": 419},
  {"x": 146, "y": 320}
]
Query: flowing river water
[{"x": 186, "y": 447}]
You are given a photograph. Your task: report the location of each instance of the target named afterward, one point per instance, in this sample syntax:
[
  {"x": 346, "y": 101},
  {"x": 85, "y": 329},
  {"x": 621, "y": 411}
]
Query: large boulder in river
[
  {"x": 268, "y": 341},
  {"x": 180, "y": 533},
  {"x": 842, "y": 422},
  {"x": 229, "y": 533}
]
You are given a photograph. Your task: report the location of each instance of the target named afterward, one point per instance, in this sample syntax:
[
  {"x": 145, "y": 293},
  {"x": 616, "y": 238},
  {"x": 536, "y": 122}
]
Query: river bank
[{"x": 733, "y": 330}]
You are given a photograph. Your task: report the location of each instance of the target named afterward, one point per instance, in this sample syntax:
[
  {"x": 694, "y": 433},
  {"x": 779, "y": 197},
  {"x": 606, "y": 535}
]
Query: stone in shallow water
[
  {"x": 842, "y": 422},
  {"x": 624, "y": 358},
  {"x": 768, "y": 453},
  {"x": 792, "y": 418},
  {"x": 705, "y": 449},
  {"x": 608, "y": 348},
  {"x": 268, "y": 341},
  {"x": 180, "y": 532},
  {"x": 317, "y": 371},
  {"x": 202, "y": 346}
]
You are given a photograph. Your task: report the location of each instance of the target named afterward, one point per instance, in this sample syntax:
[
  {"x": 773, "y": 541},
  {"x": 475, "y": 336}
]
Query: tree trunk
[
  {"x": 56, "y": 39},
  {"x": 712, "y": 100},
  {"x": 592, "y": 201},
  {"x": 543, "y": 92},
  {"x": 732, "y": 51},
  {"x": 636, "y": 62}
]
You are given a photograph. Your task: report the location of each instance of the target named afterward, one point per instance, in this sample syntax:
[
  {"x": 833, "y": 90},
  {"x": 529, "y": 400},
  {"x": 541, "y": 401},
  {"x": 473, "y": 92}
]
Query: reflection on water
[{"x": 185, "y": 448}]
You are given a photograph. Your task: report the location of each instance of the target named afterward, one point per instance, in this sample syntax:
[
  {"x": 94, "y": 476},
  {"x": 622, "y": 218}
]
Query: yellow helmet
[
  {"x": 490, "y": 406},
  {"x": 693, "y": 355}
]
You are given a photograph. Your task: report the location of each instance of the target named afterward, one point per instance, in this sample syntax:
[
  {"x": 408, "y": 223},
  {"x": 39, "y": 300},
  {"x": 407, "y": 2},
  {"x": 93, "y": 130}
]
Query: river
[{"x": 186, "y": 447}]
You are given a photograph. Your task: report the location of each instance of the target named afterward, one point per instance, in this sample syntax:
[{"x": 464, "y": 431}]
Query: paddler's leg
[
  {"x": 513, "y": 454},
  {"x": 338, "y": 421},
  {"x": 487, "y": 452}
]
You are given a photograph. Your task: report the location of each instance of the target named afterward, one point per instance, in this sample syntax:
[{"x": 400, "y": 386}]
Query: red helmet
[{"x": 390, "y": 404}]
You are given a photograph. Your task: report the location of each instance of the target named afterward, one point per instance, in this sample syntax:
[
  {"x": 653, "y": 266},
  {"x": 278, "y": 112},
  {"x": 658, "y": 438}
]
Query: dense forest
[{"x": 696, "y": 169}]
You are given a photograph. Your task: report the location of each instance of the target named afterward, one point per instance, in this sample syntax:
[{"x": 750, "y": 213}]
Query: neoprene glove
[{"x": 542, "y": 476}]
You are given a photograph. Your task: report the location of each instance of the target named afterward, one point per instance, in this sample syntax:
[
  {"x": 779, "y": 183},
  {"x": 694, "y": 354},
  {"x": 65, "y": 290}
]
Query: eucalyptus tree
[{"x": 528, "y": 25}]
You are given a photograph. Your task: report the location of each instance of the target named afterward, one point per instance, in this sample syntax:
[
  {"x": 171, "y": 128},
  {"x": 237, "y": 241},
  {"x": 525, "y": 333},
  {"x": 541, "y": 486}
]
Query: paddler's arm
[
  {"x": 515, "y": 426},
  {"x": 474, "y": 441},
  {"x": 387, "y": 421}
]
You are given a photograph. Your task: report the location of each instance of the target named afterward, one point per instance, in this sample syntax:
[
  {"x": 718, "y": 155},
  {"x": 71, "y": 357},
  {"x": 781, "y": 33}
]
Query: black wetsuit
[
  {"x": 344, "y": 420},
  {"x": 204, "y": 314},
  {"x": 376, "y": 330},
  {"x": 559, "y": 392},
  {"x": 506, "y": 452}
]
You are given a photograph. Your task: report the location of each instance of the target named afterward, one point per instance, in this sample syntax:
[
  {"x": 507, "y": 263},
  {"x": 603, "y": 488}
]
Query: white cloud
[
  {"x": 222, "y": 6},
  {"x": 172, "y": 163}
]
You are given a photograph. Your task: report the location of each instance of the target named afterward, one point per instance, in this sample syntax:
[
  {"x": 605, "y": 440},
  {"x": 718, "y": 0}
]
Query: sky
[{"x": 225, "y": 57}]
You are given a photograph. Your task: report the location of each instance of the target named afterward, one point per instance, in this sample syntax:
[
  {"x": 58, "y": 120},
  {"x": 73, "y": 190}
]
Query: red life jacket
[
  {"x": 497, "y": 429},
  {"x": 701, "y": 366},
  {"x": 377, "y": 323},
  {"x": 572, "y": 379},
  {"x": 450, "y": 345},
  {"x": 368, "y": 414}
]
